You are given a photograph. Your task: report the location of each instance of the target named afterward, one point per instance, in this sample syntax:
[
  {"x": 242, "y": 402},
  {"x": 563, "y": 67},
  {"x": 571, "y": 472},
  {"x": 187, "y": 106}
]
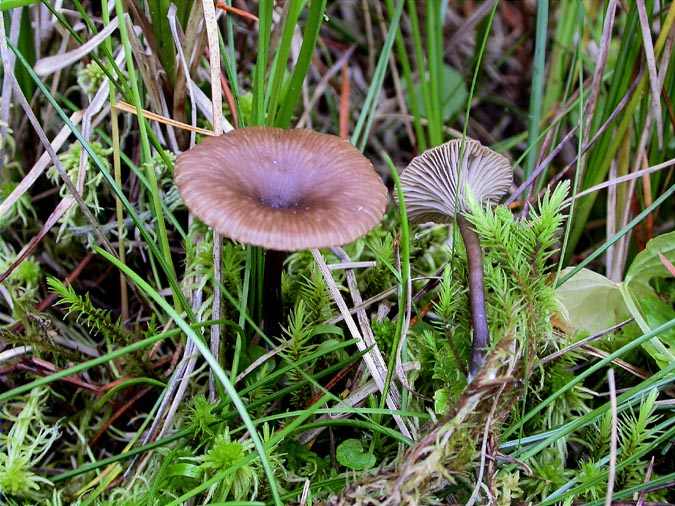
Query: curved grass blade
[
  {"x": 213, "y": 363},
  {"x": 362, "y": 128}
]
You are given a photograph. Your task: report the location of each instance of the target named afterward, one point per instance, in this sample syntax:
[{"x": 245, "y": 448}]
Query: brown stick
[{"x": 481, "y": 335}]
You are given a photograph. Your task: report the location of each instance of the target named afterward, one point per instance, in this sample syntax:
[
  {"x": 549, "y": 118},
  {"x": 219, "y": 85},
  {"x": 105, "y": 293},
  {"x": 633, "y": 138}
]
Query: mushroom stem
[
  {"x": 273, "y": 303},
  {"x": 481, "y": 335}
]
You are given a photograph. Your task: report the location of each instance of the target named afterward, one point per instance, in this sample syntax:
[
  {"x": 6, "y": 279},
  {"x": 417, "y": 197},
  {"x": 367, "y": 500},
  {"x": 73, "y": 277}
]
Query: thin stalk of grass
[
  {"x": 561, "y": 42},
  {"x": 347, "y": 410},
  {"x": 218, "y": 371},
  {"x": 420, "y": 59},
  {"x": 435, "y": 58},
  {"x": 119, "y": 83},
  {"x": 123, "y": 385},
  {"x": 361, "y": 426},
  {"x": 406, "y": 70},
  {"x": 7, "y": 5},
  {"x": 155, "y": 197},
  {"x": 231, "y": 58},
  {"x": 117, "y": 174},
  {"x": 158, "y": 10},
  {"x": 537, "y": 89},
  {"x": 77, "y": 369},
  {"x": 243, "y": 308},
  {"x": 85, "y": 17},
  {"x": 275, "y": 87},
  {"x": 278, "y": 373},
  {"x": 264, "y": 26},
  {"x": 309, "y": 39},
  {"x": 141, "y": 177},
  {"x": 367, "y": 115},
  {"x": 236, "y": 503},
  {"x": 662, "y": 482},
  {"x": 404, "y": 294},
  {"x": 332, "y": 484},
  {"x": 259, "y": 282},
  {"x": 580, "y": 155},
  {"x": 567, "y": 89},
  {"x": 231, "y": 73},
  {"x": 476, "y": 70}
]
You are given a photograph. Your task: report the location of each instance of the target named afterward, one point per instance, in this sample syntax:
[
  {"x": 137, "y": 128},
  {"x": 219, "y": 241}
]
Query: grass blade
[{"x": 218, "y": 371}]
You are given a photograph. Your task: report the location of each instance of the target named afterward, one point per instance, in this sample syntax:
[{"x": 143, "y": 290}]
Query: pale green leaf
[
  {"x": 590, "y": 302},
  {"x": 647, "y": 264}
]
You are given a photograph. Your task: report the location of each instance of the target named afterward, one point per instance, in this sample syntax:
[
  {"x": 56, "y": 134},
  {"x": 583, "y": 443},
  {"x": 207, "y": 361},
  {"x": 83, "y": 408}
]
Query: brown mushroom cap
[
  {"x": 281, "y": 189},
  {"x": 435, "y": 183}
]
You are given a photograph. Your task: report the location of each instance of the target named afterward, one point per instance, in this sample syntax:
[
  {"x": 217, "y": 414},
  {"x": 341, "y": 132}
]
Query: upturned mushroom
[
  {"x": 436, "y": 187},
  {"x": 284, "y": 190}
]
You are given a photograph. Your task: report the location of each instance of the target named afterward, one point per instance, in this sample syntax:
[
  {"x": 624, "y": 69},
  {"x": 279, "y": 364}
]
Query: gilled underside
[{"x": 436, "y": 184}]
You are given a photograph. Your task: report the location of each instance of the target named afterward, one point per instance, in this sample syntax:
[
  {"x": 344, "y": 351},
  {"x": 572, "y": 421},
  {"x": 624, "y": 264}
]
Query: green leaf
[
  {"x": 453, "y": 94},
  {"x": 590, "y": 302},
  {"x": 350, "y": 454},
  {"x": 641, "y": 299},
  {"x": 657, "y": 313},
  {"x": 647, "y": 265}
]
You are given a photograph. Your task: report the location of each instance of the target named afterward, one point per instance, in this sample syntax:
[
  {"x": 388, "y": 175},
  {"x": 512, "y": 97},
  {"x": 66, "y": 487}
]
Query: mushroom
[
  {"x": 436, "y": 187},
  {"x": 284, "y": 190}
]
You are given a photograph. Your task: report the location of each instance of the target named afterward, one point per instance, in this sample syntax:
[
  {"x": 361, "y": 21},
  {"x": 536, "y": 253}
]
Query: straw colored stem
[{"x": 481, "y": 335}]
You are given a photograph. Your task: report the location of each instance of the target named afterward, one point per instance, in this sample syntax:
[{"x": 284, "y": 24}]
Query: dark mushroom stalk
[
  {"x": 283, "y": 190},
  {"x": 481, "y": 333},
  {"x": 273, "y": 305},
  {"x": 436, "y": 186}
]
